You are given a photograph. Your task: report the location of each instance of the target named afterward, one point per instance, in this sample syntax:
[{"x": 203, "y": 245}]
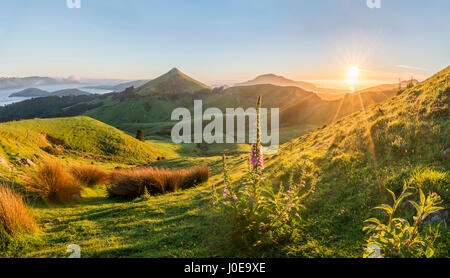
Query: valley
[{"x": 350, "y": 150}]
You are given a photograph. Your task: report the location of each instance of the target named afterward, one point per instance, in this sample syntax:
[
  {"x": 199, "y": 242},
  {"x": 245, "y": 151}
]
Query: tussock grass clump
[
  {"x": 134, "y": 182},
  {"x": 430, "y": 180},
  {"x": 53, "y": 183},
  {"x": 15, "y": 217},
  {"x": 89, "y": 175}
]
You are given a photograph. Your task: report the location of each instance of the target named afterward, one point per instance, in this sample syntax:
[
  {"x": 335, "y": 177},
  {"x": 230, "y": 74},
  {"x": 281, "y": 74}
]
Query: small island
[
  {"x": 31, "y": 92},
  {"x": 35, "y": 92}
]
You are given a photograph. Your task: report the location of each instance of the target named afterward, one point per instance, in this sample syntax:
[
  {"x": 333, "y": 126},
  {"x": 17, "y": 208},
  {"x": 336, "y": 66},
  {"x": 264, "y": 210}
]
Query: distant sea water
[{"x": 5, "y": 99}]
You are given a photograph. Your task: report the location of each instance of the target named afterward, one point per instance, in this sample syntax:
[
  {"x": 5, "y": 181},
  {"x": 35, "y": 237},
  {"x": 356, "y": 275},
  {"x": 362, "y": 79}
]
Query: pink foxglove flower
[{"x": 256, "y": 161}]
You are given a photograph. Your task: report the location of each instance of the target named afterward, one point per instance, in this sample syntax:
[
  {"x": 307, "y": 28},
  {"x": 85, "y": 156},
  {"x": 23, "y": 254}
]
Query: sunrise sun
[{"x": 352, "y": 76}]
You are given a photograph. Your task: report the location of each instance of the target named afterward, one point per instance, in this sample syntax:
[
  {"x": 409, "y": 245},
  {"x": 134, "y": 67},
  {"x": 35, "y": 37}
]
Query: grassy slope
[
  {"x": 359, "y": 156},
  {"x": 179, "y": 224},
  {"x": 152, "y": 114},
  {"x": 82, "y": 134},
  {"x": 352, "y": 159},
  {"x": 299, "y": 109},
  {"x": 172, "y": 225}
]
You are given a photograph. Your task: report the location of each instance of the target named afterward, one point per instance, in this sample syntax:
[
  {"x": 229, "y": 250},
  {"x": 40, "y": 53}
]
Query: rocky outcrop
[
  {"x": 26, "y": 162},
  {"x": 447, "y": 153},
  {"x": 440, "y": 216}
]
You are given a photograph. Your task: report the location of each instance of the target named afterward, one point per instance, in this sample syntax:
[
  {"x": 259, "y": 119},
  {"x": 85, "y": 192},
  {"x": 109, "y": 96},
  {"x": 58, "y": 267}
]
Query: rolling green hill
[
  {"x": 318, "y": 111},
  {"x": 297, "y": 107},
  {"x": 149, "y": 107},
  {"x": 353, "y": 160},
  {"x": 24, "y": 139},
  {"x": 152, "y": 113}
]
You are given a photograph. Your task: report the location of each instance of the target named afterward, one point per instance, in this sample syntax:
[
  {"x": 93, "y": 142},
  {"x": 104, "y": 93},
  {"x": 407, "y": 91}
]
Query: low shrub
[
  {"x": 15, "y": 217},
  {"x": 53, "y": 183},
  {"x": 399, "y": 238},
  {"x": 430, "y": 180},
  {"x": 194, "y": 176},
  {"x": 51, "y": 150},
  {"x": 263, "y": 215},
  {"x": 89, "y": 175},
  {"x": 132, "y": 183}
]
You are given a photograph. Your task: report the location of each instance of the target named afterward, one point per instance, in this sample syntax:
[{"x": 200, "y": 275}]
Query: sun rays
[{"x": 352, "y": 77}]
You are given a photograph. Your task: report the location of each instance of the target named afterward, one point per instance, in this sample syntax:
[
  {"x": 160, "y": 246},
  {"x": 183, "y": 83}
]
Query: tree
[
  {"x": 411, "y": 83},
  {"x": 140, "y": 135},
  {"x": 400, "y": 90}
]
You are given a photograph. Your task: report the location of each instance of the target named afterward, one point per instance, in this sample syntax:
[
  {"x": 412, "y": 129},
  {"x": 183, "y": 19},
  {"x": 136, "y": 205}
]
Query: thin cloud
[{"x": 411, "y": 67}]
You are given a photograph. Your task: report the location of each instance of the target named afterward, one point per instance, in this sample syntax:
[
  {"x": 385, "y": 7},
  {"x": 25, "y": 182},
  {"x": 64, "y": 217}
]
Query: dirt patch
[
  {"x": 4, "y": 163},
  {"x": 54, "y": 141}
]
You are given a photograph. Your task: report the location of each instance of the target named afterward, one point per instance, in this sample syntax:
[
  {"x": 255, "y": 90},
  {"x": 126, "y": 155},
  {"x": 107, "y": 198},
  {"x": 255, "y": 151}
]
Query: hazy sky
[{"x": 217, "y": 40}]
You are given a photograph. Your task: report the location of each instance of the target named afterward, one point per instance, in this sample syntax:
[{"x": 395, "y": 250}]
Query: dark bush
[{"x": 132, "y": 183}]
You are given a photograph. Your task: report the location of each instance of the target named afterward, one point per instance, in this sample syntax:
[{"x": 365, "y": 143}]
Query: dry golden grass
[
  {"x": 89, "y": 175},
  {"x": 53, "y": 183},
  {"x": 132, "y": 183},
  {"x": 15, "y": 217}
]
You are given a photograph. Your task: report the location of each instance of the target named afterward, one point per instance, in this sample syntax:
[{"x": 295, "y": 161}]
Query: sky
[{"x": 220, "y": 41}]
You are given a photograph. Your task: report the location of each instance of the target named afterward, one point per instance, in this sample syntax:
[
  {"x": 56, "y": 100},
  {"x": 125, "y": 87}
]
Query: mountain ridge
[
  {"x": 280, "y": 80},
  {"x": 122, "y": 86},
  {"x": 172, "y": 82},
  {"x": 32, "y": 81}
]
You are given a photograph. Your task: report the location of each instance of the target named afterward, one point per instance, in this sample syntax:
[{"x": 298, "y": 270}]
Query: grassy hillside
[
  {"x": 50, "y": 107},
  {"x": 356, "y": 158},
  {"x": 351, "y": 162},
  {"x": 244, "y": 96},
  {"x": 300, "y": 111},
  {"x": 149, "y": 107},
  {"x": 318, "y": 111},
  {"x": 390, "y": 87},
  {"x": 79, "y": 134},
  {"x": 152, "y": 113}
]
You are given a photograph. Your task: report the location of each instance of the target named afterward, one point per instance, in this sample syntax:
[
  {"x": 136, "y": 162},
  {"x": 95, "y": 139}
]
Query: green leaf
[
  {"x": 386, "y": 208},
  {"x": 403, "y": 196},
  {"x": 416, "y": 206},
  {"x": 422, "y": 196},
  {"x": 429, "y": 253},
  {"x": 392, "y": 194},
  {"x": 373, "y": 220}
]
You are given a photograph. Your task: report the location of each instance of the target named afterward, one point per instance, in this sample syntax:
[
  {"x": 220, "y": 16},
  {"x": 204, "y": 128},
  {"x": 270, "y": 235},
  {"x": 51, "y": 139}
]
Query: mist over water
[{"x": 5, "y": 93}]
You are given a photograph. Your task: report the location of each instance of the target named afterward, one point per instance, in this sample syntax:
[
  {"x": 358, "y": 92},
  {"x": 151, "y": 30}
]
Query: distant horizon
[
  {"x": 226, "y": 41},
  {"x": 320, "y": 83}
]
